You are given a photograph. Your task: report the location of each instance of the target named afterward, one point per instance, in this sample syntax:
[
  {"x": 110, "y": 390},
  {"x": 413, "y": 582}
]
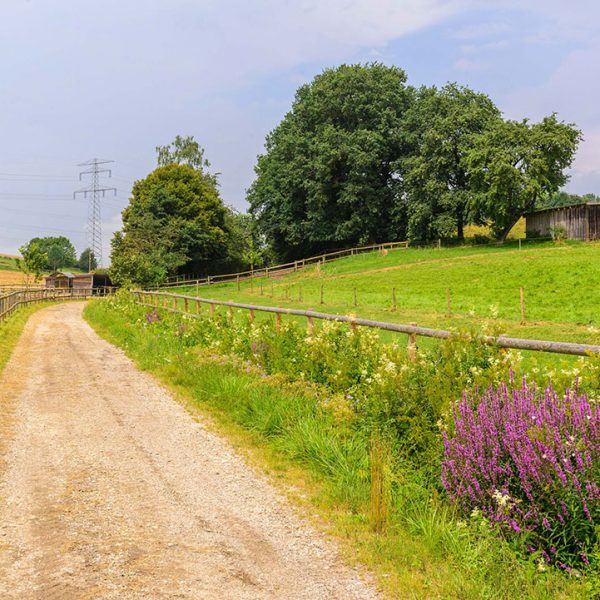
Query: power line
[{"x": 95, "y": 191}]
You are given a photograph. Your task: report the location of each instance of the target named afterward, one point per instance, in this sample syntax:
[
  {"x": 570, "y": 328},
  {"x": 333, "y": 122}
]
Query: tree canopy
[
  {"x": 59, "y": 251},
  {"x": 327, "y": 177},
  {"x": 175, "y": 220},
  {"x": 515, "y": 163},
  {"x": 363, "y": 157}
]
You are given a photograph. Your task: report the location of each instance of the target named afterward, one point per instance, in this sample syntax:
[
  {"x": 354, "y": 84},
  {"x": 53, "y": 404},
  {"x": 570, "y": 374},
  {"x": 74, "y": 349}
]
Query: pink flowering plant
[{"x": 528, "y": 461}]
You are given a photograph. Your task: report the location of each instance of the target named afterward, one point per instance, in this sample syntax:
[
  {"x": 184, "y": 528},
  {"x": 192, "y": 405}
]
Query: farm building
[
  {"x": 66, "y": 280},
  {"x": 580, "y": 221}
]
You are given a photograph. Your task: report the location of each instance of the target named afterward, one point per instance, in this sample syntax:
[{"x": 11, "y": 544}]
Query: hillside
[{"x": 559, "y": 280}]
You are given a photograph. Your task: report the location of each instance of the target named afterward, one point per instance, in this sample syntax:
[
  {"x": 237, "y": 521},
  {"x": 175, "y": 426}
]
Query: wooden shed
[
  {"x": 580, "y": 221},
  {"x": 80, "y": 281}
]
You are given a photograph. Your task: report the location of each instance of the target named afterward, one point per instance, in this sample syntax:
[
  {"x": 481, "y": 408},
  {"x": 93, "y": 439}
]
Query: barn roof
[{"x": 578, "y": 204}]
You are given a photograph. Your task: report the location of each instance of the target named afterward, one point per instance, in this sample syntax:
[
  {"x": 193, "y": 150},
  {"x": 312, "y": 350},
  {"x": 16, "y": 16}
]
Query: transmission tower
[{"x": 94, "y": 192}]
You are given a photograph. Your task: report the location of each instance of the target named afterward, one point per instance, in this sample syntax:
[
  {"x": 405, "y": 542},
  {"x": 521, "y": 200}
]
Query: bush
[{"x": 529, "y": 462}]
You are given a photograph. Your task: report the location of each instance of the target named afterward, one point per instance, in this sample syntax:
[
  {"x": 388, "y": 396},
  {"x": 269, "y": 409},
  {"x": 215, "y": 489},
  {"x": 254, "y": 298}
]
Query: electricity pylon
[{"x": 94, "y": 191}]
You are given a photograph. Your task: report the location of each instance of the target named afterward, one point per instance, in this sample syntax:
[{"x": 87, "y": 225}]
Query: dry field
[{"x": 11, "y": 278}]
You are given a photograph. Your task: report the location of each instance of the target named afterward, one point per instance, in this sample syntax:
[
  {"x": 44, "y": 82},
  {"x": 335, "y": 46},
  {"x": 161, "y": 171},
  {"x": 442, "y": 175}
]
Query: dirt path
[{"x": 109, "y": 489}]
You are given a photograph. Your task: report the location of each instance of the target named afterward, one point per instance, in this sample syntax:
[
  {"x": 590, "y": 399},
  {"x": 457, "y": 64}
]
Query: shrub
[{"x": 529, "y": 462}]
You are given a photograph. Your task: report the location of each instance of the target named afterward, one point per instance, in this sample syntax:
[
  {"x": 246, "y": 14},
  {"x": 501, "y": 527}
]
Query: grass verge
[{"x": 423, "y": 552}]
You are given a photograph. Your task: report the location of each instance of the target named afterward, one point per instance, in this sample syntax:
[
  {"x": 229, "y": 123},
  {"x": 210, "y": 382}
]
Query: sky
[{"x": 115, "y": 78}]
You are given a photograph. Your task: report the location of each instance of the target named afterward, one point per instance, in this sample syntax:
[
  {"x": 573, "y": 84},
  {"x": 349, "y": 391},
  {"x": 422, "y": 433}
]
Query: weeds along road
[{"x": 110, "y": 489}]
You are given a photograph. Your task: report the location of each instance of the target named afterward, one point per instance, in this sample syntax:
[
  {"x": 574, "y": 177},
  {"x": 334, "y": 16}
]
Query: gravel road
[{"x": 110, "y": 489}]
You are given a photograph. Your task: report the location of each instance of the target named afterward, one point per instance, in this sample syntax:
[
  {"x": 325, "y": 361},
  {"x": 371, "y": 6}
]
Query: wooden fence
[
  {"x": 180, "y": 303},
  {"x": 279, "y": 270},
  {"x": 10, "y": 302}
]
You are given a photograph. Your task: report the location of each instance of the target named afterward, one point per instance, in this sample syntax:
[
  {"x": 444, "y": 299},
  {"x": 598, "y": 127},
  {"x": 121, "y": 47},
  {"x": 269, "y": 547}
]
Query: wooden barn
[
  {"x": 580, "y": 221},
  {"x": 79, "y": 281}
]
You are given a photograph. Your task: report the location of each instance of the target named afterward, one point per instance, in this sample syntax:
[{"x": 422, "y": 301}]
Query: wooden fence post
[
  {"x": 212, "y": 310},
  {"x": 238, "y": 282},
  {"x": 449, "y": 301},
  {"x": 185, "y": 305},
  {"x": 251, "y": 315},
  {"x": 277, "y": 323},
  {"x": 522, "y": 298},
  {"x": 174, "y": 303},
  {"x": 412, "y": 345},
  {"x": 198, "y": 307},
  {"x": 197, "y": 287},
  {"x": 310, "y": 326}
]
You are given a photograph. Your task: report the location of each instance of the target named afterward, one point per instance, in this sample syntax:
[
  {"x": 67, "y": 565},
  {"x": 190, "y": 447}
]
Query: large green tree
[
  {"x": 442, "y": 126},
  {"x": 327, "y": 177},
  {"x": 175, "y": 222},
  {"x": 33, "y": 262},
  {"x": 59, "y": 251},
  {"x": 516, "y": 163}
]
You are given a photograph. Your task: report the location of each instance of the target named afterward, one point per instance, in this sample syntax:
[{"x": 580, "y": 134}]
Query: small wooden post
[
  {"x": 355, "y": 303},
  {"x": 449, "y": 301},
  {"x": 412, "y": 345},
  {"x": 322, "y": 301},
  {"x": 277, "y": 323},
  {"x": 522, "y": 297},
  {"x": 238, "y": 282},
  {"x": 185, "y": 305},
  {"x": 198, "y": 307},
  {"x": 174, "y": 303},
  {"x": 354, "y": 326},
  {"x": 519, "y": 243},
  {"x": 212, "y": 310},
  {"x": 394, "y": 298},
  {"x": 251, "y": 315},
  {"x": 310, "y": 326},
  {"x": 197, "y": 287}
]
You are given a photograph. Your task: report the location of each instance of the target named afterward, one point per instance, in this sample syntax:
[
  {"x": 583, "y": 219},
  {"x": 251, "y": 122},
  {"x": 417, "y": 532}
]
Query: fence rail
[
  {"x": 279, "y": 270},
  {"x": 10, "y": 302},
  {"x": 161, "y": 300}
]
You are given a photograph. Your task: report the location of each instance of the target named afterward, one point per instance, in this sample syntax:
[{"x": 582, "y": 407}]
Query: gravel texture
[{"x": 110, "y": 489}]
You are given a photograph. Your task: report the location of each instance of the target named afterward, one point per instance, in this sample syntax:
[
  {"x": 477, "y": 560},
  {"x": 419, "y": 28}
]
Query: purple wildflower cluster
[
  {"x": 152, "y": 317},
  {"x": 530, "y": 462}
]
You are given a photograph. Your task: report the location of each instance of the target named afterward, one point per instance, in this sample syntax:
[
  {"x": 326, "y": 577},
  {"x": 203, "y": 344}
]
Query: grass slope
[{"x": 560, "y": 283}]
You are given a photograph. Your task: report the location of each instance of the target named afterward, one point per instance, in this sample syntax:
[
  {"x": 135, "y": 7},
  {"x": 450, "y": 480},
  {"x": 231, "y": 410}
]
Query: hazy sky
[{"x": 114, "y": 78}]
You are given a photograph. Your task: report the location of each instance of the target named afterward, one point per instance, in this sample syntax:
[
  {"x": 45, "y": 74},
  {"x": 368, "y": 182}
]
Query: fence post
[
  {"x": 321, "y": 301},
  {"x": 522, "y": 298},
  {"x": 237, "y": 279},
  {"x": 277, "y": 323},
  {"x": 412, "y": 345},
  {"x": 393, "y": 298},
  {"x": 185, "y": 305},
  {"x": 310, "y": 326},
  {"x": 449, "y": 301},
  {"x": 198, "y": 307},
  {"x": 212, "y": 310},
  {"x": 174, "y": 303},
  {"x": 197, "y": 287},
  {"x": 251, "y": 315}
]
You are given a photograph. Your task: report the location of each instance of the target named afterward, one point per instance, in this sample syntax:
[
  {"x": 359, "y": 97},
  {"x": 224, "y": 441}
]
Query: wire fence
[{"x": 180, "y": 303}]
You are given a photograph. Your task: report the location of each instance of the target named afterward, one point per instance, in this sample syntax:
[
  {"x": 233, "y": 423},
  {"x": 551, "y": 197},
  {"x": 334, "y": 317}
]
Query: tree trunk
[
  {"x": 460, "y": 233},
  {"x": 506, "y": 230}
]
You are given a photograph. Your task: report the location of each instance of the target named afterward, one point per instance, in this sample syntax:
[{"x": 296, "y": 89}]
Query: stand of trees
[{"x": 363, "y": 157}]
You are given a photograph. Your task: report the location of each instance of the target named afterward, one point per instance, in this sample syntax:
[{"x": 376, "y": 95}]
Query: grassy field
[{"x": 560, "y": 283}]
